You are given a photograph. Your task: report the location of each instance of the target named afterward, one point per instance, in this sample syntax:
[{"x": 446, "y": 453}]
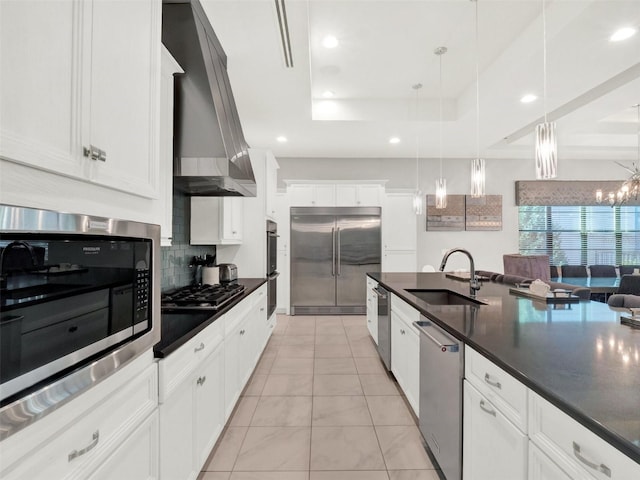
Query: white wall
[{"x": 486, "y": 247}]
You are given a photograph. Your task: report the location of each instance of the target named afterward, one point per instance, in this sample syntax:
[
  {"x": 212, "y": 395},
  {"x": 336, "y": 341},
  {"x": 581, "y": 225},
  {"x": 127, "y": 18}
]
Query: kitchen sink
[{"x": 444, "y": 297}]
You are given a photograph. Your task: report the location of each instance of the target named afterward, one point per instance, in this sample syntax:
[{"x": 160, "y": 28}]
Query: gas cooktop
[{"x": 201, "y": 297}]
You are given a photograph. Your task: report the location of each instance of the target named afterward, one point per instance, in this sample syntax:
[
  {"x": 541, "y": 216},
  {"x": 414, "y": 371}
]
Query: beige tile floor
[{"x": 320, "y": 406}]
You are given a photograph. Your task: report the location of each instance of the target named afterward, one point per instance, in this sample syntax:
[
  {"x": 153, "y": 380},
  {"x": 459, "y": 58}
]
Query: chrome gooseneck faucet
[{"x": 474, "y": 285}]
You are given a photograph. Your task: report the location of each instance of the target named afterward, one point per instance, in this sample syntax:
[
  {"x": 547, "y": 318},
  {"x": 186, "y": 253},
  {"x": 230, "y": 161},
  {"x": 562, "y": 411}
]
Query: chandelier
[{"x": 630, "y": 188}]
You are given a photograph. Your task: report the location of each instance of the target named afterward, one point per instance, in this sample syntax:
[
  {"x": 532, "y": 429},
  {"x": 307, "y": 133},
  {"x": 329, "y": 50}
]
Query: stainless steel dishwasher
[
  {"x": 384, "y": 326},
  {"x": 441, "y": 375}
]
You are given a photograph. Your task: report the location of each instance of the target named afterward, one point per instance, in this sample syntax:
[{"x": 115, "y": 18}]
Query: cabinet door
[
  {"x": 347, "y": 195},
  {"x": 137, "y": 457},
  {"x": 40, "y": 90},
  {"x": 177, "y": 447},
  {"x": 232, "y": 217},
  {"x": 368, "y": 196},
  {"x": 165, "y": 201},
  {"x": 493, "y": 448},
  {"x": 412, "y": 348},
  {"x": 372, "y": 312},
  {"x": 399, "y": 223},
  {"x": 232, "y": 359},
  {"x": 125, "y": 79},
  {"x": 542, "y": 467},
  {"x": 324, "y": 196},
  {"x": 301, "y": 195},
  {"x": 398, "y": 352},
  {"x": 209, "y": 404},
  {"x": 283, "y": 282},
  {"x": 271, "y": 183}
]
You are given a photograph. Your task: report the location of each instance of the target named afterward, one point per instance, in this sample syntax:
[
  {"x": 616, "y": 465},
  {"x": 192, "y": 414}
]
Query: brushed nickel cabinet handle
[
  {"x": 493, "y": 383},
  {"x": 201, "y": 380},
  {"x": 199, "y": 348},
  {"x": 602, "y": 468},
  {"x": 91, "y": 446},
  {"x": 490, "y": 411}
]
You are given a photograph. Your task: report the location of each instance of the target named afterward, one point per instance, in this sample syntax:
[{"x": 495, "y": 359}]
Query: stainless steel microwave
[{"x": 79, "y": 297}]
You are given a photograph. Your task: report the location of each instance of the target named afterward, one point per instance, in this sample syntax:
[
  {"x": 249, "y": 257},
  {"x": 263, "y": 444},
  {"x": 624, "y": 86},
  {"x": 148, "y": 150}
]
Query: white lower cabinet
[
  {"x": 209, "y": 404},
  {"x": 493, "y": 447},
  {"x": 405, "y": 350},
  {"x": 137, "y": 457},
  {"x": 541, "y": 467},
  {"x": 372, "y": 309},
  {"x": 192, "y": 412},
  {"x": 238, "y": 353},
  {"x": 85, "y": 437},
  {"x": 573, "y": 447}
]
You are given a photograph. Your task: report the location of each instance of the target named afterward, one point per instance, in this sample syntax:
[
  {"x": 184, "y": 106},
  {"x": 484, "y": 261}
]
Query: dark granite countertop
[
  {"x": 578, "y": 356},
  {"x": 179, "y": 326}
]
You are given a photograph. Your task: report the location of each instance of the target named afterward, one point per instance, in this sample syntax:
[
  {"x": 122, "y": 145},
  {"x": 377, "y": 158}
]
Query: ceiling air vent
[{"x": 283, "y": 26}]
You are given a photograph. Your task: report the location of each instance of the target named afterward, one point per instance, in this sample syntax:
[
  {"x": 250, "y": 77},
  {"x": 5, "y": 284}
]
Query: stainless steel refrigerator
[{"x": 332, "y": 249}]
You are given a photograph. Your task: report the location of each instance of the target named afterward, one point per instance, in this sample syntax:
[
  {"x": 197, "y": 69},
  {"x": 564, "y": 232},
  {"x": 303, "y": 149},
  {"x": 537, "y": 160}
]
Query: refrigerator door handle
[
  {"x": 333, "y": 252},
  {"x": 338, "y": 254}
]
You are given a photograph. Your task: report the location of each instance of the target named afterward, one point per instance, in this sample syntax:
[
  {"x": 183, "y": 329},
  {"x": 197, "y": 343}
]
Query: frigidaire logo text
[{"x": 91, "y": 250}]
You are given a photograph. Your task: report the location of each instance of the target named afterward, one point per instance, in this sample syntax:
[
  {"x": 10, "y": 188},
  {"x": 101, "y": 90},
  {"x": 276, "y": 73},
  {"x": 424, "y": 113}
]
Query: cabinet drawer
[
  {"x": 504, "y": 391},
  {"x": 571, "y": 445},
  {"x": 405, "y": 312},
  {"x": 237, "y": 314},
  {"x": 259, "y": 296},
  {"x": 177, "y": 366},
  {"x": 88, "y": 439},
  {"x": 493, "y": 447}
]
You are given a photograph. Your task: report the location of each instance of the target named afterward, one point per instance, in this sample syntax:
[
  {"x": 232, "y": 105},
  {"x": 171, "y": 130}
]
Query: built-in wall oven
[
  {"x": 272, "y": 266},
  {"x": 78, "y": 298}
]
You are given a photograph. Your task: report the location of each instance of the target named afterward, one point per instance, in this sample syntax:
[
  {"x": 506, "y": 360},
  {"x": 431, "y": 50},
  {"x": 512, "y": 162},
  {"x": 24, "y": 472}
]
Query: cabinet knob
[
  {"x": 234, "y": 232},
  {"x": 262, "y": 309}
]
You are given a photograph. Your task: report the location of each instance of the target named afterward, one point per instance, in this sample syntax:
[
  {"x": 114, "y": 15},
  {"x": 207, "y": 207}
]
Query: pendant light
[
  {"x": 630, "y": 187},
  {"x": 418, "y": 202},
  {"x": 477, "y": 164},
  {"x": 441, "y": 182},
  {"x": 546, "y": 142}
]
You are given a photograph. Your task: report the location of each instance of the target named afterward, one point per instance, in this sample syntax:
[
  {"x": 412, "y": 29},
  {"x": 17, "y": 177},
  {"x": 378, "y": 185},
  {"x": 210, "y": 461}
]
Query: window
[{"x": 573, "y": 235}]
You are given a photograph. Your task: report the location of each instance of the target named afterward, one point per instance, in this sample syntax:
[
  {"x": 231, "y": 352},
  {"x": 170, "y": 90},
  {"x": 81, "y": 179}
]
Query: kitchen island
[{"x": 576, "y": 356}]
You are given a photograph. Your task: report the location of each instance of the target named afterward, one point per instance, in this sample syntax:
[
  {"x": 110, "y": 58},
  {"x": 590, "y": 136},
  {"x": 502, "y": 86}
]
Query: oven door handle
[{"x": 273, "y": 275}]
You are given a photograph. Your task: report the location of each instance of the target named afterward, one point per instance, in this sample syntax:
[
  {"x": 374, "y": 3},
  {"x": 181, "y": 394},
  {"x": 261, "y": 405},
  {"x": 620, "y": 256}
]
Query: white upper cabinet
[
  {"x": 165, "y": 204},
  {"x": 358, "y": 195},
  {"x": 399, "y": 230},
  {"x": 216, "y": 220},
  {"x": 271, "y": 184},
  {"x": 80, "y": 90},
  {"x": 334, "y": 195},
  {"x": 40, "y": 91}
]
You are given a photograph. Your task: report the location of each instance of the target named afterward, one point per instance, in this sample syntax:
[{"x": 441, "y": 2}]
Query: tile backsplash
[{"x": 175, "y": 259}]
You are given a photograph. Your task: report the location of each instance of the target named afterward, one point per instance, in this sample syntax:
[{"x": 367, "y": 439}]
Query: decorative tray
[{"x": 554, "y": 296}]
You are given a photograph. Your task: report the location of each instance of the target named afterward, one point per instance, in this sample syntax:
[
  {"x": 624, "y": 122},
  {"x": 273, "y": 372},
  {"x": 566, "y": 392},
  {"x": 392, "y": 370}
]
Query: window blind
[{"x": 574, "y": 235}]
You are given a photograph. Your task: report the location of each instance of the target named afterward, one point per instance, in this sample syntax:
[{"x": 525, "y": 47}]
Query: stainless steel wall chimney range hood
[{"x": 211, "y": 156}]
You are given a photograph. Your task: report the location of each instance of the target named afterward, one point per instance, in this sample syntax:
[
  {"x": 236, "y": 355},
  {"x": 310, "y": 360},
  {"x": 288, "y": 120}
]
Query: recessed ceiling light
[
  {"x": 394, "y": 140},
  {"x": 281, "y": 139},
  {"x": 328, "y": 94},
  {"x": 329, "y": 41},
  {"x": 622, "y": 34},
  {"x": 528, "y": 98}
]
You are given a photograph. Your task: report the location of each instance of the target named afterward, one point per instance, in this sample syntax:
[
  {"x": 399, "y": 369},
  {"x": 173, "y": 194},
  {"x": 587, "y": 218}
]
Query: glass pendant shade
[
  {"x": 546, "y": 151},
  {"x": 477, "y": 177},
  {"x": 418, "y": 203},
  {"x": 441, "y": 193}
]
